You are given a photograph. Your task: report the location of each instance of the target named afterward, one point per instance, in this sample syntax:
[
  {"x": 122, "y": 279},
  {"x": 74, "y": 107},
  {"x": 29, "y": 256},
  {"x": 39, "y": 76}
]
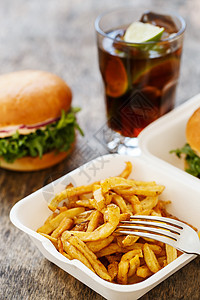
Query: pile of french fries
[{"x": 84, "y": 221}]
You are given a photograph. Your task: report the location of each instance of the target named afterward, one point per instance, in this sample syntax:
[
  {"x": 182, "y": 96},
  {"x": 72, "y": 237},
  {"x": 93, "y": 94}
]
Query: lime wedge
[{"x": 139, "y": 32}]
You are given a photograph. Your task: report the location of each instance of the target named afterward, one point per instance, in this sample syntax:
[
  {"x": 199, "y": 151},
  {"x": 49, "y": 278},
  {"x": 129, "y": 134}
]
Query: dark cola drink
[{"x": 140, "y": 80}]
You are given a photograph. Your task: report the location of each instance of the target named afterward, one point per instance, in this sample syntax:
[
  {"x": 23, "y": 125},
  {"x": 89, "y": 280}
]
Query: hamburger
[
  {"x": 191, "y": 150},
  {"x": 37, "y": 122}
]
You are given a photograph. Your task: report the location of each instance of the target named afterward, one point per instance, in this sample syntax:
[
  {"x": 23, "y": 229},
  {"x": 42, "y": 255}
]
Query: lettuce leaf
[
  {"x": 58, "y": 135},
  {"x": 192, "y": 159}
]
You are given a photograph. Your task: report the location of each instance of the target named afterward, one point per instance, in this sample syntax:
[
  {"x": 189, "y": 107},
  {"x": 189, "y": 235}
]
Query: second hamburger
[{"x": 191, "y": 150}]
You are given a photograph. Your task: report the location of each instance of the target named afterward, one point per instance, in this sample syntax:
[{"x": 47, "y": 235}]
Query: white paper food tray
[
  {"x": 168, "y": 133},
  {"x": 182, "y": 189}
]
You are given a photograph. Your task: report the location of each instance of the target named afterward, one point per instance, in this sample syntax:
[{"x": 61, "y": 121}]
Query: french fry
[
  {"x": 165, "y": 263},
  {"x": 118, "y": 200},
  {"x": 51, "y": 217},
  {"x": 112, "y": 258},
  {"x": 145, "y": 212},
  {"x": 151, "y": 259},
  {"x": 134, "y": 263},
  {"x": 83, "y": 216},
  {"x": 156, "y": 213},
  {"x": 65, "y": 224},
  {"x": 135, "y": 202},
  {"x": 129, "y": 240},
  {"x": 151, "y": 190},
  {"x": 124, "y": 217},
  {"x": 71, "y": 200},
  {"x": 91, "y": 257},
  {"x": 67, "y": 255},
  {"x": 122, "y": 275},
  {"x": 110, "y": 249},
  {"x": 85, "y": 203},
  {"x": 49, "y": 237},
  {"x": 96, "y": 246},
  {"x": 115, "y": 182},
  {"x": 130, "y": 209},
  {"x": 136, "y": 246},
  {"x": 130, "y": 254},
  {"x": 155, "y": 248},
  {"x": 113, "y": 270},
  {"x": 70, "y": 192},
  {"x": 99, "y": 201},
  {"x": 119, "y": 240},
  {"x": 144, "y": 183},
  {"x": 85, "y": 196},
  {"x": 108, "y": 197},
  {"x": 124, "y": 241},
  {"x": 123, "y": 267},
  {"x": 81, "y": 226},
  {"x": 162, "y": 260},
  {"x": 115, "y": 248},
  {"x": 149, "y": 202},
  {"x": 143, "y": 272},
  {"x": 62, "y": 208},
  {"x": 60, "y": 246},
  {"x": 95, "y": 219},
  {"x": 127, "y": 171},
  {"x": 74, "y": 253},
  {"x": 54, "y": 223},
  {"x": 171, "y": 253},
  {"x": 104, "y": 230},
  {"x": 134, "y": 279}
]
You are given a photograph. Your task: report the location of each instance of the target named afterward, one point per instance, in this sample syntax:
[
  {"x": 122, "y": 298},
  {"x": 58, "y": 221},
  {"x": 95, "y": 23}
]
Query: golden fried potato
[
  {"x": 96, "y": 246},
  {"x": 54, "y": 223},
  {"x": 143, "y": 272},
  {"x": 70, "y": 192},
  {"x": 134, "y": 263},
  {"x": 74, "y": 253},
  {"x": 151, "y": 259},
  {"x": 65, "y": 224},
  {"x": 113, "y": 270},
  {"x": 127, "y": 171},
  {"x": 104, "y": 230},
  {"x": 90, "y": 256},
  {"x": 171, "y": 253}
]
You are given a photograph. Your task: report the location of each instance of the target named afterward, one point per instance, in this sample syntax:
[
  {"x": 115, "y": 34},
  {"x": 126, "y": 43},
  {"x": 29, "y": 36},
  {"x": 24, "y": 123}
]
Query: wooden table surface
[{"x": 58, "y": 36}]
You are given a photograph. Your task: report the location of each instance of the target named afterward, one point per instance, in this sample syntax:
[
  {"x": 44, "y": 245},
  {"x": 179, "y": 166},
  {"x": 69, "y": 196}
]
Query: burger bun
[{"x": 193, "y": 131}]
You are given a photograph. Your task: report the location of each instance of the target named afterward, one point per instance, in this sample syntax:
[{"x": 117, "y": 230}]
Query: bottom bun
[{"x": 29, "y": 163}]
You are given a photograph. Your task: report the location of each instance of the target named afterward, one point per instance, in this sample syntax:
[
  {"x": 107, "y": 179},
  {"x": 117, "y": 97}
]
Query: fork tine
[
  {"x": 157, "y": 224},
  {"x": 156, "y": 237},
  {"x": 149, "y": 229},
  {"x": 160, "y": 219},
  {"x": 182, "y": 237}
]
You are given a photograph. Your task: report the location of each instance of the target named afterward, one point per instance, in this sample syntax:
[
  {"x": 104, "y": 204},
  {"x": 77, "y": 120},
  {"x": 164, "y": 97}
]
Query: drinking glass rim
[{"x": 169, "y": 39}]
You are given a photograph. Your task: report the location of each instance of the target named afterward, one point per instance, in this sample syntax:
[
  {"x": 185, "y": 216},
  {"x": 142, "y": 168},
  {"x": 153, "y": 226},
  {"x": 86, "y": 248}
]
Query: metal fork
[{"x": 169, "y": 231}]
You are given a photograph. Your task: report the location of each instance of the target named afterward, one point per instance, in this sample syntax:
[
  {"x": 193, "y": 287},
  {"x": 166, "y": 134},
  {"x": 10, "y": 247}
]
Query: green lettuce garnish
[
  {"x": 58, "y": 135},
  {"x": 192, "y": 159}
]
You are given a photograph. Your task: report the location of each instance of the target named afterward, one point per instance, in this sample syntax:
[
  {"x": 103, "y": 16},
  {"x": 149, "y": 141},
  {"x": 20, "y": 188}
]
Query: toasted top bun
[
  {"x": 193, "y": 131},
  {"x": 31, "y": 97}
]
